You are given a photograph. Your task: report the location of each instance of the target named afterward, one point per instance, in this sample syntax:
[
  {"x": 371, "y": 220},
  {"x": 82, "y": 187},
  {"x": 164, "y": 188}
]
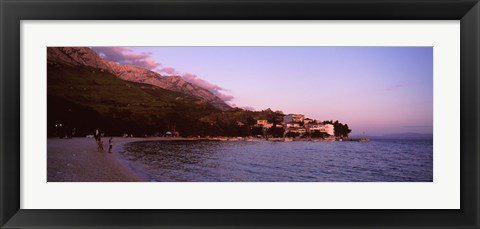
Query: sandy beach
[{"x": 77, "y": 160}]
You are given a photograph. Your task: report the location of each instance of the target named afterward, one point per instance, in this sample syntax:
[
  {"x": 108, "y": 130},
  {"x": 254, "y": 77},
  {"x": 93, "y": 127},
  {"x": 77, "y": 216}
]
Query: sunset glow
[{"x": 376, "y": 90}]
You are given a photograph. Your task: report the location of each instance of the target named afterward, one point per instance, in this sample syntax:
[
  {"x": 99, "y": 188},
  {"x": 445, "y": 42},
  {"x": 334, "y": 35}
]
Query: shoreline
[
  {"x": 276, "y": 139},
  {"x": 77, "y": 159},
  {"x": 136, "y": 168},
  {"x": 139, "y": 169}
]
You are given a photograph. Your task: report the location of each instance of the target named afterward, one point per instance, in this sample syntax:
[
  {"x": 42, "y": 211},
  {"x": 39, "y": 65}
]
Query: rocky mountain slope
[
  {"x": 81, "y": 56},
  {"x": 85, "y": 99}
]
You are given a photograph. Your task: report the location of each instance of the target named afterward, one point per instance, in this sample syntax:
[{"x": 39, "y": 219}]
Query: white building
[
  {"x": 296, "y": 130},
  {"x": 327, "y": 128},
  {"x": 295, "y": 125},
  {"x": 330, "y": 129},
  {"x": 293, "y": 118},
  {"x": 314, "y": 127}
]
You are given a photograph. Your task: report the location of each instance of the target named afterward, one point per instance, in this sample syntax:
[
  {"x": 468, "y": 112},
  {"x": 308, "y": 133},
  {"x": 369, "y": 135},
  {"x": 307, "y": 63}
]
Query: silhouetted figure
[
  {"x": 110, "y": 144},
  {"x": 100, "y": 144},
  {"x": 97, "y": 135}
]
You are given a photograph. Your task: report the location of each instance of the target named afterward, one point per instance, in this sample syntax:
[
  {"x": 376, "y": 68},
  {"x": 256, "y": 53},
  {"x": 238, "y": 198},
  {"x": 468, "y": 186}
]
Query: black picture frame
[{"x": 13, "y": 11}]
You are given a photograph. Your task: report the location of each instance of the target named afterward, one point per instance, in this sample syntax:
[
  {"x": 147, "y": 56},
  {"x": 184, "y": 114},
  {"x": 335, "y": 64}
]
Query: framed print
[
  {"x": 237, "y": 149},
  {"x": 239, "y": 114}
]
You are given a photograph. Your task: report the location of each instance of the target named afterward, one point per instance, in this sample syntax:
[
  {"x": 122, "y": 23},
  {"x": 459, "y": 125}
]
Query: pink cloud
[
  {"x": 192, "y": 78},
  {"x": 215, "y": 89},
  {"x": 168, "y": 70},
  {"x": 127, "y": 56},
  {"x": 144, "y": 60},
  {"x": 225, "y": 97}
]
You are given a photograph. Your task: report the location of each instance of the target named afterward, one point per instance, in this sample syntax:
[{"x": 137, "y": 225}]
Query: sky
[{"x": 375, "y": 90}]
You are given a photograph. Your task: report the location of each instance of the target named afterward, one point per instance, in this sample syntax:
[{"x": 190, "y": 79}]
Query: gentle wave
[{"x": 265, "y": 161}]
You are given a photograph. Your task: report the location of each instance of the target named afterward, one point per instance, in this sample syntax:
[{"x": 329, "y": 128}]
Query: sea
[{"x": 379, "y": 160}]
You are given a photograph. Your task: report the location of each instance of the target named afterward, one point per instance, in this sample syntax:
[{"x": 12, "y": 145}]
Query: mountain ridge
[
  {"x": 85, "y": 99},
  {"x": 82, "y": 56}
]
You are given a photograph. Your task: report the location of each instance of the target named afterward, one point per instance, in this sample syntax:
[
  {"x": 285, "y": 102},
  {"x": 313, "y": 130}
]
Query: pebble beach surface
[{"x": 77, "y": 160}]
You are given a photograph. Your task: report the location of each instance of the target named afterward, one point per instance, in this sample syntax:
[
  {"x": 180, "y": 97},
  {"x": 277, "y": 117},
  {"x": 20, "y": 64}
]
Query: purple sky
[{"x": 376, "y": 90}]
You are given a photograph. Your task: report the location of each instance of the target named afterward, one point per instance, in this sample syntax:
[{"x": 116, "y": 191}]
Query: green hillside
[{"x": 86, "y": 99}]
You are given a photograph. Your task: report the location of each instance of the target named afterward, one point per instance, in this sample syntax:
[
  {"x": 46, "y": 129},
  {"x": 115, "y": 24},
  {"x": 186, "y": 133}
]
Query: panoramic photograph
[{"x": 239, "y": 114}]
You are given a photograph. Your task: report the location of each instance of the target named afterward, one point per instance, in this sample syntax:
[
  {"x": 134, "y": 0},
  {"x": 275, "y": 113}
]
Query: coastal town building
[
  {"x": 293, "y": 118},
  {"x": 297, "y": 123},
  {"x": 313, "y": 127},
  {"x": 324, "y": 128},
  {"x": 330, "y": 129},
  {"x": 293, "y": 125},
  {"x": 296, "y": 130},
  {"x": 264, "y": 123}
]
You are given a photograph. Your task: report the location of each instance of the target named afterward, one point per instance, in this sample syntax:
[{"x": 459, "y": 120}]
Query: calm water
[{"x": 247, "y": 161}]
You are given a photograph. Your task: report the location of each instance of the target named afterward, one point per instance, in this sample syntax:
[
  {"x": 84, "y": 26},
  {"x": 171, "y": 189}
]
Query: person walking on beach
[
  {"x": 110, "y": 144},
  {"x": 97, "y": 135},
  {"x": 97, "y": 139},
  {"x": 100, "y": 144}
]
